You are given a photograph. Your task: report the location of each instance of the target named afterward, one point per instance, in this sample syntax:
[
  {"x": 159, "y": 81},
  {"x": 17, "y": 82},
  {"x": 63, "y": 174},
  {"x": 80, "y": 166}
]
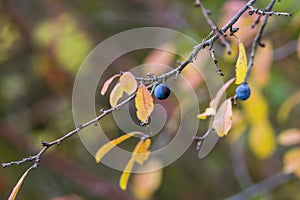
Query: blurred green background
[{"x": 42, "y": 44}]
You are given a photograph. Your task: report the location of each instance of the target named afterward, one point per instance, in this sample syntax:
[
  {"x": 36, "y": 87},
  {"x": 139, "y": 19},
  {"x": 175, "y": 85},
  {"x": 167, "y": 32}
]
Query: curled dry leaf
[
  {"x": 241, "y": 65},
  {"x": 289, "y": 137},
  {"x": 107, "y": 83},
  {"x": 213, "y": 105},
  {"x": 143, "y": 103},
  {"x": 223, "y": 119}
]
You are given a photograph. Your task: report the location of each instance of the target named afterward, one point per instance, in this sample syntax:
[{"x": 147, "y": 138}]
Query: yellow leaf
[
  {"x": 115, "y": 95},
  {"x": 256, "y": 107},
  {"x": 223, "y": 119},
  {"x": 108, "y": 146},
  {"x": 287, "y": 106},
  {"x": 289, "y": 137},
  {"x": 291, "y": 162},
  {"x": 262, "y": 63},
  {"x": 19, "y": 184},
  {"x": 206, "y": 113},
  {"x": 143, "y": 153},
  {"x": 145, "y": 184},
  {"x": 143, "y": 103},
  {"x": 128, "y": 82},
  {"x": 107, "y": 83},
  {"x": 262, "y": 139},
  {"x": 239, "y": 126},
  {"x": 241, "y": 65},
  {"x": 126, "y": 173}
]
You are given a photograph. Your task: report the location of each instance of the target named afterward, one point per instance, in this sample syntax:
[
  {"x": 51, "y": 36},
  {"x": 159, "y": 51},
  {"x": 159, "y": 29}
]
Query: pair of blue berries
[
  {"x": 162, "y": 91},
  {"x": 243, "y": 91}
]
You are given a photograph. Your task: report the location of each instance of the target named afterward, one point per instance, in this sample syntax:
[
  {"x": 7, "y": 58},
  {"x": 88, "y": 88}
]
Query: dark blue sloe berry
[
  {"x": 162, "y": 91},
  {"x": 243, "y": 91}
]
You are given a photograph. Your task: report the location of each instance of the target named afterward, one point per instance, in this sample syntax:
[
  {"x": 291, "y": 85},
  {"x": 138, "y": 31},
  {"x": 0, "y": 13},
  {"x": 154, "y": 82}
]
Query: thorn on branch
[
  {"x": 218, "y": 69},
  {"x": 45, "y": 144}
]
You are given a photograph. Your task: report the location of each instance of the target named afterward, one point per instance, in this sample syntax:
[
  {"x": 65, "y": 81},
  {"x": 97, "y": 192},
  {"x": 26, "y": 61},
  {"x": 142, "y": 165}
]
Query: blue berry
[
  {"x": 243, "y": 91},
  {"x": 162, "y": 91}
]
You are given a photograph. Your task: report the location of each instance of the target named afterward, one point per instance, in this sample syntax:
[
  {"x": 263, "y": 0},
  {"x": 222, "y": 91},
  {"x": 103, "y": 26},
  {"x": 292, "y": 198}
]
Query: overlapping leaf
[
  {"x": 108, "y": 146},
  {"x": 223, "y": 119},
  {"x": 143, "y": 103},
  {"x": 127, "y": 84},
  {"x": 139, "y": 155},
  {"x": 107, "y": 83}
]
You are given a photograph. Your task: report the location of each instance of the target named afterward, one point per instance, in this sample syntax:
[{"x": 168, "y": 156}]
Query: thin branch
[
  {"x": 214, "y": 27},
  {"x": 257, "y": 40},
  {"x": 253, "y": 10}
]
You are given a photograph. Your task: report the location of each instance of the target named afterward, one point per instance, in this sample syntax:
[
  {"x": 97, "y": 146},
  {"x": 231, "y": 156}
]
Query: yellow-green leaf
[
  {"x": 291, "y": 162},
  {"x": 115, "y": 95},
  {"x": 126, "y": 173},
  {"x": 143, "y": 103},
  {"x": 223, "y": 119},
  {"x": 289, "y": 137},
  {"x": 19, "y": 184},
  {"x": 107, "y": 83},
  {"x": 128, "y": 82},
  {"x": 262, "y": 139},
  {"x": 241, "y": 65},
  {"x": 287, "y": 106},
  {"x": 108, "y": 146}
]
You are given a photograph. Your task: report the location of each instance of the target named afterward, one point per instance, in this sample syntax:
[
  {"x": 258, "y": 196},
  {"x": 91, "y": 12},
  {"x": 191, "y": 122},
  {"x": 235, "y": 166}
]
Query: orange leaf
[
  {"x": 289, "y": 137},
  {"x": 115, "y": 95},
  {"x": 108, "y": 146},
  {"x": 223, "y": 119},
  {"x": 143, "y": 103},
  {"x": 107, "y": 83},
  {"x": 126, "y": 173},
  {"x": 19, "y": 184},
  {"x": 128, "y": 82},
  {"x": 291, "y": 162}
]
